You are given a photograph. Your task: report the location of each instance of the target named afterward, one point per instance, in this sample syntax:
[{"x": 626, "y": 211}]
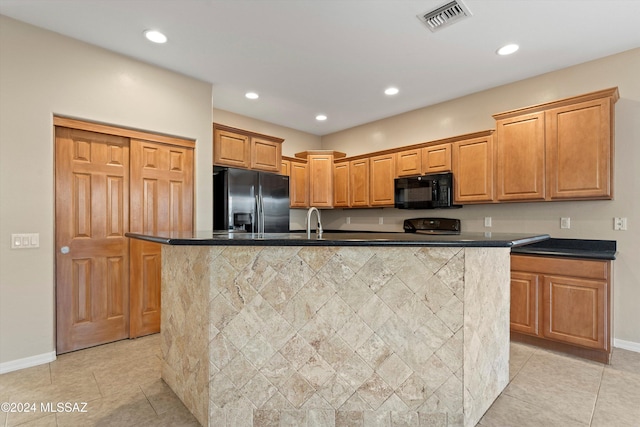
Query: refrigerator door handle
[
  {"x": 255, "y": 222},
  {"x": 259, "y": 220},
  {"x": 261, "y": 215}
]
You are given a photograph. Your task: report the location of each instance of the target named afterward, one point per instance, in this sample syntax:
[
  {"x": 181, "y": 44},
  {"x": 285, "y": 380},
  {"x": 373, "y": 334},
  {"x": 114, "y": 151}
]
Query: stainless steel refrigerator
[{"x": 244, "y": 200}]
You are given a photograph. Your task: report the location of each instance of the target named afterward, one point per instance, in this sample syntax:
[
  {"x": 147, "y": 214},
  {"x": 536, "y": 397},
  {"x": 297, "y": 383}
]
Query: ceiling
[{"x": 336, "y": 57}]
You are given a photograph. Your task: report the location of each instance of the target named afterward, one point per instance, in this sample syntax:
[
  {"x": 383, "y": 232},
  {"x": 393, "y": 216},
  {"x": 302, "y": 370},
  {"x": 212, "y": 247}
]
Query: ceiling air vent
[{"x": 445, "y": 15}]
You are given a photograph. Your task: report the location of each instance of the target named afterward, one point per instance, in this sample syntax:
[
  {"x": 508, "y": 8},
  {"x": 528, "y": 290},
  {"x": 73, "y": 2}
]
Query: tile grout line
[{"x": 595, "y": 403}]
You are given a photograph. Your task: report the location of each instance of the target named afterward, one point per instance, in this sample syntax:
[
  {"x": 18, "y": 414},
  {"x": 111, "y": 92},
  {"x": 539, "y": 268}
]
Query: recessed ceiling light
[
  {"x": 508, "y": 49},
  {"x": 252, "y": 95},
  {"x": 321, "y": 117},
  {"x": 155, "y": 36},
  {"x": 391, "y": 91}
]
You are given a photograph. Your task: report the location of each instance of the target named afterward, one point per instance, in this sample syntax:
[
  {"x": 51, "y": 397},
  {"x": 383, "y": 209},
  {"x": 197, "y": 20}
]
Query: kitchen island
[{"x": 351, "y": 329}]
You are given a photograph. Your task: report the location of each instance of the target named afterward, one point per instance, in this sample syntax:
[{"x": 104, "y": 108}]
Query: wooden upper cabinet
[
  {"x": 420, "y": 161},
  {"x": 382, "y": 174},
  {"x": 320, "y": 180},
  {"x": 359, "y": 183},
  {"x": 436, "y": 158},
  {"x": 231, "y": 149},
  {"x": 562, "y": 150},
  {"x": 520, "y": 157},
  {"x": 266, "y": 154},
  {"x": 320, "y": 176},
  {"x": 285, "y": 167},
  {"x": 580, "y": 151},
  {"x": 409, "y": 162},
  {"x": 473, "y": 170},
  {"x": 247, "y": 150},
  {"x": 299, "y": 184},
  {"x": 341, "y": 184}
]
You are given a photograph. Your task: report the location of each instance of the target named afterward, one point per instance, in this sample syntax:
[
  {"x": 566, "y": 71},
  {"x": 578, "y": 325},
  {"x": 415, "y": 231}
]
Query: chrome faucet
[{"x": 308, "y": 222}]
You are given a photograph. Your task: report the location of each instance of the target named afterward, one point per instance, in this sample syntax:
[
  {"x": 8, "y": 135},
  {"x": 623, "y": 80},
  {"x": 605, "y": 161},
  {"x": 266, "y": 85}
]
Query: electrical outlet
[
  {"x": 620, "y": 224},
  {"x": 487, "y": 221},
  {"x": 565, "y": 222},
  {"x": 381, "y": 220},
  {"x": 348, "y": 220}
]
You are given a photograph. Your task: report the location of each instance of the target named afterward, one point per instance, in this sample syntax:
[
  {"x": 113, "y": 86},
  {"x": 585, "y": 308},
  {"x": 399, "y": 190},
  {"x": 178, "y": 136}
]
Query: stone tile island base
[{"x": 335, "y": 335}]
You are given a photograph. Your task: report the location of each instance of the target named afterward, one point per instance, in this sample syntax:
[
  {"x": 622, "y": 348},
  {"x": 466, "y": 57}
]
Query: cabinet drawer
[{"x": 592, "y": 269}]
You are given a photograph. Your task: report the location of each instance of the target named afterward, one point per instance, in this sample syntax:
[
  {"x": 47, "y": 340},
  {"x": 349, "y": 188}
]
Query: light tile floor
[{"x": 120, "y": 382}]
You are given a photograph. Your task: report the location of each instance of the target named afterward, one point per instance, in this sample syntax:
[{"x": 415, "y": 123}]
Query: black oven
[{"x": 425, "y": 192}]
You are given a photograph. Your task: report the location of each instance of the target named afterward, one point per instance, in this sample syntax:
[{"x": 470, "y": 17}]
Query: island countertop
[{"x": 352, "y": 238}]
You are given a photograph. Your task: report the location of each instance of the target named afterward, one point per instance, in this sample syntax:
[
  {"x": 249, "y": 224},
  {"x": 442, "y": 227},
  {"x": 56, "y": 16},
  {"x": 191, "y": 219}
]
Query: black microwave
[{"x": 424, "y": 192}]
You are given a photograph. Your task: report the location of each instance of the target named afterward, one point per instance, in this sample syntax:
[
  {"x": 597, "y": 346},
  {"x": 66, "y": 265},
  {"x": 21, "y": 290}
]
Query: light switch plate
[
  {"x": 487, "y": 221},
  {"x": 25, "y": 240}
]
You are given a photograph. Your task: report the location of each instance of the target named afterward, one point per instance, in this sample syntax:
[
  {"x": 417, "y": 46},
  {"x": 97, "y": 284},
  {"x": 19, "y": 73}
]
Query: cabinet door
[
  {"x": 436, "y": 158},
  {"x": 520, "y": 156},
  {"x": 266, "y": 155},
  {"x": 579, "y": 151},
  {"x": 359, "y": 183},
  {"x": 524, "y": 302},
  {"x": 409, "y": 162},
  {"x": 285, "y": 167},
  {"x": 320, "y": 180},
  {"x": 299, "y": 185},
  {"x": 576, "y": 311},
  {"x": 231, "y": 149},
  {"x": 341, "y": 184},
  {"x": 382, "y": 175},
  {"x": 473, "y": 170}
]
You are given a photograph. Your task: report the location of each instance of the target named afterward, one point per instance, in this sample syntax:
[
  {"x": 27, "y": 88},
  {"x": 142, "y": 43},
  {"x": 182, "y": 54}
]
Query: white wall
[
  {"x": 43, "y": 74},
  {"x": 589, "y": 220}
]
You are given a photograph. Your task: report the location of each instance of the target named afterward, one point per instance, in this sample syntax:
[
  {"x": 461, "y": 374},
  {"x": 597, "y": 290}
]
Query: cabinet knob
[{"x": 64, "y": 250}]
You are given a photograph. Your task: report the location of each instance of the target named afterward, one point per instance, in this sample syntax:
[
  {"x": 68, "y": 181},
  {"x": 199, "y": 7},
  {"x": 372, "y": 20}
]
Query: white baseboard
[
  {"x": 27, "y": 362},
  {"x": 627, "y": 345}
]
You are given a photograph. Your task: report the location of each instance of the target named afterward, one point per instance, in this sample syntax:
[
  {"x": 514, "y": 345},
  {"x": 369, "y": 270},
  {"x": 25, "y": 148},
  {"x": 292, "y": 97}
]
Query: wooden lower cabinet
[
  {"x": 525, "y": 291},
  {"x": 575, "y": 311},
  {"x": 562, "y": 304}
]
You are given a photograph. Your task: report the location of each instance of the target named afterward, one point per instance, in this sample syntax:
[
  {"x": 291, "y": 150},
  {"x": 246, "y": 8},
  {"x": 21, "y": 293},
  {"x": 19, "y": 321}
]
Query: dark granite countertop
[
  {"x": 574, "y": 248},
  {"x": 209, "y": 238}
]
